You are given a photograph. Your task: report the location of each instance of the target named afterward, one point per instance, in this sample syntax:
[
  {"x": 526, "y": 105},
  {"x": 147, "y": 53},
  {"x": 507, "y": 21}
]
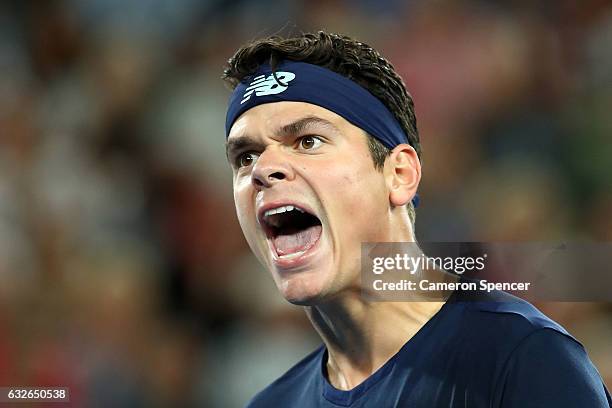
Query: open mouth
[{"x": 291, "y": 230}]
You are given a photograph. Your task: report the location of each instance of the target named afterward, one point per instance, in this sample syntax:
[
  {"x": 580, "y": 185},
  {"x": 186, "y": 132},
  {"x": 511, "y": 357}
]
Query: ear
[{"x": 402, "y": 174}]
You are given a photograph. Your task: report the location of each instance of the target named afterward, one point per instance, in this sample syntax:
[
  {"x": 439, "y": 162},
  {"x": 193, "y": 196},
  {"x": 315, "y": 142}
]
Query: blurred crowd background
[{"x": 123, "y": 272}]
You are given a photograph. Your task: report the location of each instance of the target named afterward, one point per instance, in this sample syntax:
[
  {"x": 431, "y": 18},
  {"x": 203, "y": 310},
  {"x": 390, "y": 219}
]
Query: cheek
[
  {"x": 244, "y": 208},
  {"x": 356, "y": 197},
  {"x": 361, "y": 185}
]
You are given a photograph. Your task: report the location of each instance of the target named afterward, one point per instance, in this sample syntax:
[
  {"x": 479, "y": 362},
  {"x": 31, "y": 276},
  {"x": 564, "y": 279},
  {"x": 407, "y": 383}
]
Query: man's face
[{"x": 307, "y": 195}]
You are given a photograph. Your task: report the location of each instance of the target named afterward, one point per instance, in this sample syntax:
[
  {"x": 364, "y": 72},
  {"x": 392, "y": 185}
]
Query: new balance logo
[{"x": 267, "y": 86}]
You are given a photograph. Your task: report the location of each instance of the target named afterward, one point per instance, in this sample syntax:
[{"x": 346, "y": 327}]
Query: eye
[
  {"x": 246, "y": 159},
  {"x": 309, "y": 142}
]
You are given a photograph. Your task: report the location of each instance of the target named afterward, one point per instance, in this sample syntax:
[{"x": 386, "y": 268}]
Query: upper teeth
[{"x": 282, "y": 209}]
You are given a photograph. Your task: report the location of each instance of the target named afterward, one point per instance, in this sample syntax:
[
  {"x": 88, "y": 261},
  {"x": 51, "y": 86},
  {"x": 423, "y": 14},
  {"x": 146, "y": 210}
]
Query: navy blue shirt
[{"x": 497, "y": 352}]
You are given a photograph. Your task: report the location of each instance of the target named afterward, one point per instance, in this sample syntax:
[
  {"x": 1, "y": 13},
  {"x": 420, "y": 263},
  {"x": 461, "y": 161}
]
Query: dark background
[{"x": 123, "y": 272}]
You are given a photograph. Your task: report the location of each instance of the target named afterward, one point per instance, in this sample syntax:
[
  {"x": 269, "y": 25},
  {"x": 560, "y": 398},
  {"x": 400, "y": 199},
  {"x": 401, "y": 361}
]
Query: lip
[{"x": 293, "y": 261}]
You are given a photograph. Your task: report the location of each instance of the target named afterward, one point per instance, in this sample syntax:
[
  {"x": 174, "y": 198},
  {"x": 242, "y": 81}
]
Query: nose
[{"x": 270, "y": 169}]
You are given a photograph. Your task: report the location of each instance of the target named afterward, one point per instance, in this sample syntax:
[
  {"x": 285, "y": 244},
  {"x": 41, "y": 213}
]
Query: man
[{"x": 322, "y": 140}]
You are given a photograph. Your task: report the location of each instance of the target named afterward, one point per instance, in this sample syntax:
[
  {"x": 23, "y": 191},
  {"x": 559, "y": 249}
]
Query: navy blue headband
[{"x": 302, "y": 82}]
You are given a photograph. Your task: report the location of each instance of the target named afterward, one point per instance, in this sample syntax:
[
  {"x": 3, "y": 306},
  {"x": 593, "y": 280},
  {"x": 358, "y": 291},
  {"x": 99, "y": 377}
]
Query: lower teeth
[{"x": 293, "y": 255}]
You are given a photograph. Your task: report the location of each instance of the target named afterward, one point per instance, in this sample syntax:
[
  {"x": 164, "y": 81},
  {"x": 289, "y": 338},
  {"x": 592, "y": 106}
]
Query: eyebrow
[
  {"x": 302, "y": 124},
  {"x": 245, "y": 142},
  {"x": 240, "y": 143}
]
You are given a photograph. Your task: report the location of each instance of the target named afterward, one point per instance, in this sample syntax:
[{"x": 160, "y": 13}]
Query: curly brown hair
[{"x": 345, "y": 56}]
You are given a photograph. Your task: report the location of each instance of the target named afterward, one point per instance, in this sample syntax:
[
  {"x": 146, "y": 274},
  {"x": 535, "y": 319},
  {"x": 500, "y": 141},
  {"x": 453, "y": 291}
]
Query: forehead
[{"x": 270, "y": 118}]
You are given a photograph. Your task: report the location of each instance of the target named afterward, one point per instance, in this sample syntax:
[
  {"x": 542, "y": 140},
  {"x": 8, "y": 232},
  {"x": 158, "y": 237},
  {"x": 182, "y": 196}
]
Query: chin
[{"x": 302, "y": 289}]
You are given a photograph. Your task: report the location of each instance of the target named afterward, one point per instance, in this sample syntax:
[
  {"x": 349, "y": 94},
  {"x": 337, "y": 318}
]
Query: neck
[{"x": 361, "y": 335}]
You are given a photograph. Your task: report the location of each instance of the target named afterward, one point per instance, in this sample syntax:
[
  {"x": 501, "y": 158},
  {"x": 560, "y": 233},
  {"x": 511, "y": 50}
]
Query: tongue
[{"x": 297, "y": 241}]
